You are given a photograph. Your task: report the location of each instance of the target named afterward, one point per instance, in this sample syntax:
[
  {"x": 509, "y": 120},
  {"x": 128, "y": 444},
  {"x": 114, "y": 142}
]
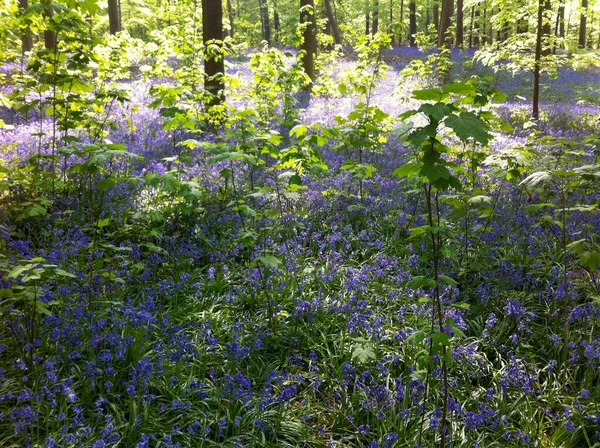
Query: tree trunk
[
  {"x": 309, "y": 27},
  {"x": 214, "y": 65},
  {"x": 264, "y": 20},
  {"x": 546, "y": 28},
  {"x": 26, "y": 39},
  {"x": 476, "y": 30},
  {"x": 537, "y": 64},
  {"x": 412, "y": 28},
  {"x": 334, "y": 26},
  {"x": 393, "y": 42},
  {"x": 484, "y": 36},
  {"x": 471, "y": 27},
  {"x": 231, "y": 18},
  {"x": 276, "y": 22},
  {"x": 436, "y": 15},
  {"x": 582, "y": 23},
  {"x": 444, "y": 38},
  {"x": 368, "y": 18},
  {"x": 375, "y": 26},
  {"x": 49, "y": 35},
  {"x": 490, "y": 30},
  {"x": 401, "y": 21},
  {"x": 460, "y": 39},
  {"x": 114, "y": 16},
  {"x": 589, "y": 39}
]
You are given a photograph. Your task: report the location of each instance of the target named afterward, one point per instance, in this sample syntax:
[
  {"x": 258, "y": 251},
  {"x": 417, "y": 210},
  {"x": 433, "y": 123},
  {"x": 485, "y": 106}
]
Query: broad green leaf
[
  {"x": 467, "y": 125},
  {"x": 407, "y": 169}
]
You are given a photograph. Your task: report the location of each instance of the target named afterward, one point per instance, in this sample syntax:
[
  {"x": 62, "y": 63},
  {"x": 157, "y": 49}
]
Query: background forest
[{"x": 314, "y": 223}]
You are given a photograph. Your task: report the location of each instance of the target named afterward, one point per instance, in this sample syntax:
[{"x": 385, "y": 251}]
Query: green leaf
[
  {"x": 428, "y": 94},
  {"x": 407, "y": 169},
  {"x": 402, "y": 129},
  {"x": 420, "y": 281},
  {"x": 436, "y": 111},
  {"x": 461, "y": 305},
  {"x": 268, "y": 260},
  {"x": 433, "y": 172},
  {"x": 590, "y": 260},
  {"x": 416, "y": 337},
  {"x": 448, "y": 280},
  {"x": 439, "y": 338},
  {"x": 468, "y": 125},
  {"x": 363, "y": 353}
]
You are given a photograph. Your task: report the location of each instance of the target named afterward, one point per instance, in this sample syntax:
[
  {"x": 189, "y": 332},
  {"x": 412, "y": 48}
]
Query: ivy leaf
[{"x": 468, "y": 125}]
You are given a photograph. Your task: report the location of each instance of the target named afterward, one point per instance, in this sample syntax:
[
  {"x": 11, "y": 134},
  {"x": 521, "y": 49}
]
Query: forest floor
[{"x": 173, "y": 296}]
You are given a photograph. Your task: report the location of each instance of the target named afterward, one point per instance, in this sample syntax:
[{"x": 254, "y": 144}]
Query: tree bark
[
  {"x": 264, "y": 20},
  {"x": 49, "y": 35},
  {"x": 537, "y": 64},
  {"x": 309, "y": 32},
  {"x": 436, "y": 15},
  {"x": 276, "y": 22},
  {"x": 114, "y": 16},
  {"x": 334, "y": 26},
  {"x": 476, "y": 30},
  {"x": 368, "y": 18},
  {"x": 583, "y": 23},
  {"x": 401, "y": 22},
  {"x": 231, "y": 18},
  {"x": 26, "y": 39},
  {"x": 412, "y": 26},
  {"x": 214, "y": 64},
  {"x": 460, "y": 39},
  {"x": 546, "y": 28},
  {"x": 445, "y": 39},
  {"x": 375, "y": 26}
]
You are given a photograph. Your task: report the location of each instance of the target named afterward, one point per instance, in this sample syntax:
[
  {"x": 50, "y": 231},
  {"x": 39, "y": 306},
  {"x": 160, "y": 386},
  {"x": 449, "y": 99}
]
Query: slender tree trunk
[
  {"x": 49, "y": 35},
  {"x": 476, "y": 30},
  {"x": 490, "y": 29},
  {"x": 589, "y": 39},
  {"x": 375, "y": 26},
  {"x": 444, "y": 38},
  {"x": 401, "y": 22},
  {"x": 308, "y": 20},
  {"x": 582, "y": 23},
  {"x": 214, "y": 64},
  {"x": 412, "y": 7},
  {"x": 537, "y": 64},
  {"x": 546, "y": 28},
  {"x": 471, "y": 41},
  {"x": 459, "y": 24},
  {"x": 264, "y": 20},
  {"x": 436, "y": 15},
  {"x": 114, "y": 16},
  {"x": 392, "y": 22},
  {"x": 276, "y": 22},
  {"x": 484, "y": 37},
  {"x": 26, "y": 39},
  {"x": 368, "y": 18},
  {"x": 231, "y": 19},
  {"x": 334, "y": 26}
]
